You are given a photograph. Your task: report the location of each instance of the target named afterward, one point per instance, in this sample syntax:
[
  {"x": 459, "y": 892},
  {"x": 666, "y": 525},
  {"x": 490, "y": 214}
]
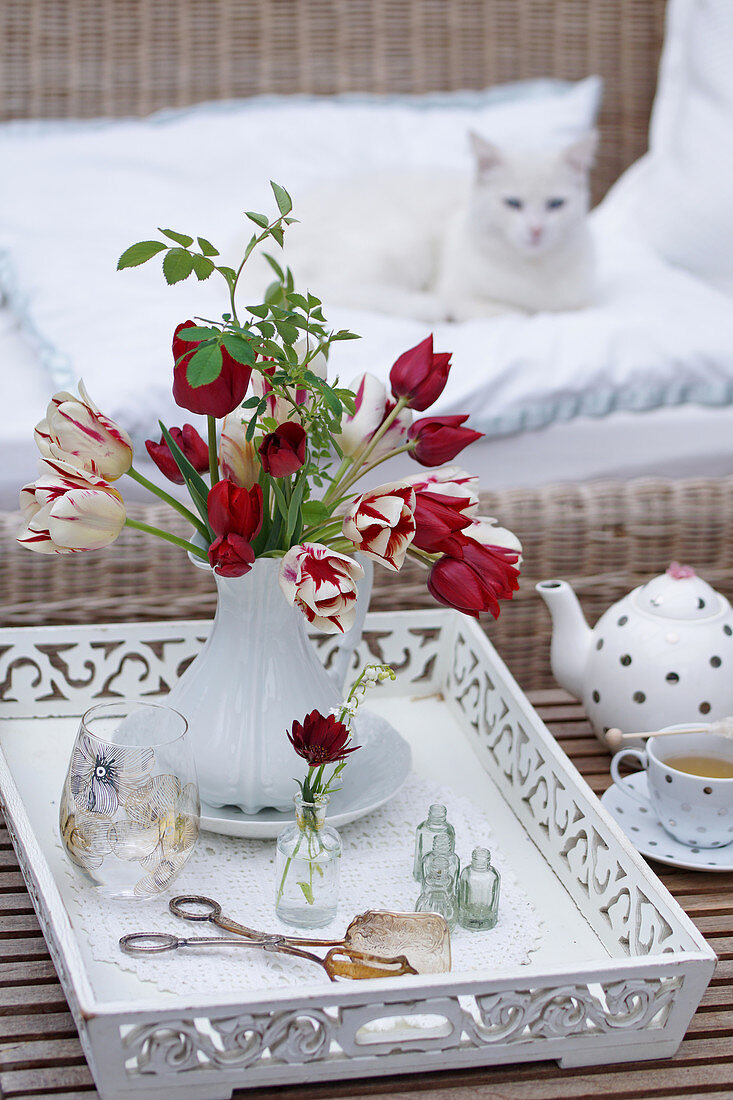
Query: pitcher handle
[
  {"x": 643, "y": 759},
  {"x": 350, "y": 640}
]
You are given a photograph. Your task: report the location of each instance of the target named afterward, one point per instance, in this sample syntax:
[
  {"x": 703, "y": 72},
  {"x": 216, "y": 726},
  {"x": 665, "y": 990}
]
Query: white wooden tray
[{"x": 617, "y": 978}]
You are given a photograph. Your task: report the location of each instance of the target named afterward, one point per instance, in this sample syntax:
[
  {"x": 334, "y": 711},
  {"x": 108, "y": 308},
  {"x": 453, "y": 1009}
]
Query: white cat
[{"x": 442, "y": 247}]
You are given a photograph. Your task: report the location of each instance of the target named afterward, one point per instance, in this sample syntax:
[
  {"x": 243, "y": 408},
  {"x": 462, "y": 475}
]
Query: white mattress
[{"x": 683, "y": 441}]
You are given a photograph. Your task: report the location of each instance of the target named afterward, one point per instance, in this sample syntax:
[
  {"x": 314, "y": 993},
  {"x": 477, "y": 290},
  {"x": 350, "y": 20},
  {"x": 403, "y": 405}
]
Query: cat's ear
[
  {"x": 487, "y": 155},
  {"x": 581, "y": 154}
]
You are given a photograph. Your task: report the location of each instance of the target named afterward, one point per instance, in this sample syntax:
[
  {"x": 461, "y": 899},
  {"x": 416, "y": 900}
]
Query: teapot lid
[{"x": 679, "y": 594}]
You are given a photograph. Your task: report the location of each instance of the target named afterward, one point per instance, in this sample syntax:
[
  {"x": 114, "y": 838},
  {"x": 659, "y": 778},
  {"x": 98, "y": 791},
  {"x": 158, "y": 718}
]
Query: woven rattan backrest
[{"x": 81, "y": 58}]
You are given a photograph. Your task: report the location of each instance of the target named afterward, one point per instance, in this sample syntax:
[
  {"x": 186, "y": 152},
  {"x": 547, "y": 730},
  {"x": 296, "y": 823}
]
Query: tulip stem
[
  {"x": 356, "y": 465},
  {"x": 377, "y": 462},
  {"x": 422, "y": 555},
  {"x": 197, "y": 551},
  {"x": 346, "y": 462},
  {"x": 179, "y": 506},
  {"x": 213, "y": 460}
]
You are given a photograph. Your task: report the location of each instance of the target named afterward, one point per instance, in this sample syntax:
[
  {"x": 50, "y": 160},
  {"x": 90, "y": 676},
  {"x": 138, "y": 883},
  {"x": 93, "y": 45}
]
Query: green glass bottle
[{"x": 478, "y": 893}]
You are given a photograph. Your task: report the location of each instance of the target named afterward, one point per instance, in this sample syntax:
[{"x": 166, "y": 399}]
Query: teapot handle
[{"x": 350, "y": 640}]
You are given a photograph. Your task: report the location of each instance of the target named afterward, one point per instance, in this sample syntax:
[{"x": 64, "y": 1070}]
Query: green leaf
[
  {"x": 239, "y": 349},
  {"x": 331, "y": 400},
  {"x": 258, "y": 219},
  {"x": 307, "y": 892},
  {"x": 258, "y": 311},
  {"x": 274, "y": 265},
  {"x": 204, "y": 366},
  {"x": 282, "y": 504},
  {"x": 288, "y": 331},
  {"x": 179, "y": 238},
  {"x": 313, "y": 302},
  {"x": 314, "y": 512},
  {"x": 282, "y": 198},
  {"x": 202, "y": 267},
  {"x": 194, "y": 333},
  {"x": 139, "y": 253},
  {"x": 177, "y": 265},
  {"x": 195, "y": 484},
  {"x": 228, "y": 272},
  {"x": 207, "y": 247},
  {"x": 251, "y": 402},
  {"x": 277, "y": 234},
  {"x": 291, "y": 221},
  {"x": 344, "y": 334},
  {"x": 294, "y": 506},
  {"x": 251, "y": 427}
]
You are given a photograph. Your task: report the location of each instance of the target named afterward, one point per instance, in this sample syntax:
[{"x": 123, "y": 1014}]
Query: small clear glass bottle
[
  {"x": 437, "y": 894},
  {"x": 308, "y": 867},
  {"x": 436, "y": 822},
  {"x": 478, "y": 893},
  {"x": 443, "y": 845}
]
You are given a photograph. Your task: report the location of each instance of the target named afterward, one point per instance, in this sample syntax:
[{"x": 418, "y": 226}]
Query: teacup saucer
[{"x": 648, "y": 837}]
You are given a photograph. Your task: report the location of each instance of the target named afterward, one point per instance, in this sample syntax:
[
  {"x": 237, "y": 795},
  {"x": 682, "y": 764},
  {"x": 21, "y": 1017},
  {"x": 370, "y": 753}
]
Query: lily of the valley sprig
[{"x": 284, "y": 450}]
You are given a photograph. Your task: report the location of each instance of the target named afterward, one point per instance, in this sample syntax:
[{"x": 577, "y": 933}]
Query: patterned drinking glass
[{"x": 129, "y": 814}]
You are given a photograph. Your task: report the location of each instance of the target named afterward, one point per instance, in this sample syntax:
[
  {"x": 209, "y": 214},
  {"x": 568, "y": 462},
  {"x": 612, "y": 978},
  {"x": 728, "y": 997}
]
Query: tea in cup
[{"x": 690, "y": 785}]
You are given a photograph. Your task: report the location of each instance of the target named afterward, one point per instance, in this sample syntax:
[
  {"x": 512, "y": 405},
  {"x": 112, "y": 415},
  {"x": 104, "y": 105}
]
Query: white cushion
[
  {"x": 73, "y": 196},
  {"x": 678, "y": 197}
]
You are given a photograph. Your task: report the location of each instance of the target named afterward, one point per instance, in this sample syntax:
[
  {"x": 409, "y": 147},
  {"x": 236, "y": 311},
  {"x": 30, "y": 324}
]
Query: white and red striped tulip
[
  {"x": 238, "y": 458},
  {"x": 450, "y": 481},
  {"x": 484, "y": 530},
  {"x": 67, "y": 511},
  {"x": 371, "y": 401},
  {"x": 381, "y": 523},
  {"x": 321, "y": 583},
  {"x": 75, "y": 431}
]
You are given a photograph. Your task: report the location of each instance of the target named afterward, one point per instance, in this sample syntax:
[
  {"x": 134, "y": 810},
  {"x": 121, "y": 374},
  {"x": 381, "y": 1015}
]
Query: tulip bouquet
[{"x": 284, "y": 449}]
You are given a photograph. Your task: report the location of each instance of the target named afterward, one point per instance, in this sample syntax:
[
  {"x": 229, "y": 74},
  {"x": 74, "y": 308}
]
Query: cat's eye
[
  {"x": 516, "y": 204},
  {"x": 555, "y": 204}
]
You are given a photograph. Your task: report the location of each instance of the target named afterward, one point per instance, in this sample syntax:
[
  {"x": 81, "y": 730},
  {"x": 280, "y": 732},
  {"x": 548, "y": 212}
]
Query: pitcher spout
[{"x": 571, "y": 635}]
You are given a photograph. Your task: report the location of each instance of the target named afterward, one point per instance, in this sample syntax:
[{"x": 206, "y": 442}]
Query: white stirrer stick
[{"x": 722, "y": 728}]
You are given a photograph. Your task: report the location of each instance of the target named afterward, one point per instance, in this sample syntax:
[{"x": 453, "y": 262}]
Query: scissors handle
[
  {"x": 199, "y": 908},
  {"x": 153, "y": 943}
]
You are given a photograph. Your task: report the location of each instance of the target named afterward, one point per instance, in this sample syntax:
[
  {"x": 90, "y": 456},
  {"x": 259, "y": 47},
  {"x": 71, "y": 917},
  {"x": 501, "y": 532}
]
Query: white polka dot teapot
[{"x": 662, "y": 655}]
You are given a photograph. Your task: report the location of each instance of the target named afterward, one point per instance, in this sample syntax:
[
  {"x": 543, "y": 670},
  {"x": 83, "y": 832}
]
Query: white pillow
[
  {"x": 73, "y": 196},
  {"x": 678, "y": 197}
]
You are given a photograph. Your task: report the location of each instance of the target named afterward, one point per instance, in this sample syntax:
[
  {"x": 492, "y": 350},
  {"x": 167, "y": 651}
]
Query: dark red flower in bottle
[
  {"x": 439, "y": 439},
  {"x": 192, "y": 445},
  {"x": 215, "y": 398},
  {"x": 320, "y": 740},
  {"x": 420, "y": 375},
  {"x": 282, "y": 452}
]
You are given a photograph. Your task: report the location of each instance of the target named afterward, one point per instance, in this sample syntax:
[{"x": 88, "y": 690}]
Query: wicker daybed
[{"x": 81, "y": 58}]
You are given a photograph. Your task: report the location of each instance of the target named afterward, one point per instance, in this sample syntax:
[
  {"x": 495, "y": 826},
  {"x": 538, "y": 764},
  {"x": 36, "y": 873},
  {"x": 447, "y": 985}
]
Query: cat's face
[{"x": 531, "y": 200}]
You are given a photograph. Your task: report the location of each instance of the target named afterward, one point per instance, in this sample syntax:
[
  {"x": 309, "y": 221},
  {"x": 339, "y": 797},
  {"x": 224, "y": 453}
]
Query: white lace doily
[{"x": 376, "y": 873}]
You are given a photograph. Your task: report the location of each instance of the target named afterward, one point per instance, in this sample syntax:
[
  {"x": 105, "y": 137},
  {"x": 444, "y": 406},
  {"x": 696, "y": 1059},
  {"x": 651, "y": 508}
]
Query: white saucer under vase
[
  {"x": 385, "y": 762},
  {"x": 641, "y": 826}
]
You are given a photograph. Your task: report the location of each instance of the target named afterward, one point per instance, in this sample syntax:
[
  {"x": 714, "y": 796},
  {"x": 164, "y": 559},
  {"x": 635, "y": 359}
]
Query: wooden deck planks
[{"x": 40, "y": 1054}]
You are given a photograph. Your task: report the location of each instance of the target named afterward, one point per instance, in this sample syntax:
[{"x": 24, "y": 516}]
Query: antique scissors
[{"x": 342, "y": 961}]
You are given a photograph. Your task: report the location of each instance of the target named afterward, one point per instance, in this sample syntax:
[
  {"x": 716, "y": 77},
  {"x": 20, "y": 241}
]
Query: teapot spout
[{"x": 571, "y": 635}]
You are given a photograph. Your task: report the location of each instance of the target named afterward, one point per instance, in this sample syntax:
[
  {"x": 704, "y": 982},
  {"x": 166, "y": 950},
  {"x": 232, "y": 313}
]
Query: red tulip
[
  {"x": 231, "y": 555},
  {"x": 282, "y": 452},
  {"x": 475, "y": 577},
  {"x": 215, "y": 398},
  {"x": 439, "y": 439},
  {"x": 420, "y": 375},
  {"x": 235, "y": 511},
  {"x": 438, "y": 517},
  {"x": 192, "y": 445},
  {"x": 320, "y": 740}
]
